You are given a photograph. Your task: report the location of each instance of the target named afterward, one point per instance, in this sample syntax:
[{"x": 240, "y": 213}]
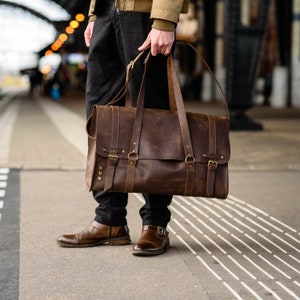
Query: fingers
[
  {"x": 161, "y": 42},
  {"x": 166, "y": 51},
  {"x": 156, "y": 49},
  {"x": 146, "y": 43}
]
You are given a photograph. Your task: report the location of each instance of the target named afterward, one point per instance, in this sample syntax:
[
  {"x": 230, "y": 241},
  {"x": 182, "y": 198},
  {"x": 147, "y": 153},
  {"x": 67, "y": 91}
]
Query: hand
[
  {"x": 88, "y": 33},
  {"x": 161, "y": 42}
]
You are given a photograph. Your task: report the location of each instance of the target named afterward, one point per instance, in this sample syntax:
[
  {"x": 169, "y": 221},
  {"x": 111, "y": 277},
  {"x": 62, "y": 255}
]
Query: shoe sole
[
  {"x": 110, "y": 242},
  {"x": 149, "y": 252}
]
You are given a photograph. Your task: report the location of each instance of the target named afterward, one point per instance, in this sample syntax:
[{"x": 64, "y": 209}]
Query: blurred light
[
  {"x": 70, "y": 30},
  {"x": 46, "y": 69},
  {"x": 74, "y": 24},
  {"x": 48, "y": 53},
  {"x": 76, "y": 58},
  {"x": 63, "y": 37},
  {"x": 53, "y": 61},
  {"x": 57, "y": 44},
  {"x": 80, "y": 17},
  {"x": 54, "y": 47}
]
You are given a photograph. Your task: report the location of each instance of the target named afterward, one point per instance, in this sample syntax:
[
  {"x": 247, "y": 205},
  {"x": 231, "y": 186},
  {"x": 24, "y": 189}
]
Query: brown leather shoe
[
  {"x": 153, "y": 241},
  {"x": 96, "y": 234}
]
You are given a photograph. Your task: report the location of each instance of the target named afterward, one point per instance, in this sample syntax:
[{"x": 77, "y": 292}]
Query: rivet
[
  {"x": 99, "y": 178},
  {"x": 123, "y": 151}
]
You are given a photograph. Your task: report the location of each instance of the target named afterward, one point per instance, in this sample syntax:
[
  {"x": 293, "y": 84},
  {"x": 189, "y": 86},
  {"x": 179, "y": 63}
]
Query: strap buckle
[
  {"x": 212, "y": 164},
  {"x": 113, "y": 159},
  {"x": 161, "y": 231}
]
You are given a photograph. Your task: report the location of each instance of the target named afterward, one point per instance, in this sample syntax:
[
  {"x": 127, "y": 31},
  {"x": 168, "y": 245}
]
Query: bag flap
[{"x": 160, "y": 136}]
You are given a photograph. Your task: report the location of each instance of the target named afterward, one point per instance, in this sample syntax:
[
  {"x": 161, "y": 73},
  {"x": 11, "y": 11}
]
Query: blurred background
[
  {"x": 42, "y": 44},
  {"x": 252, "y": 46}
]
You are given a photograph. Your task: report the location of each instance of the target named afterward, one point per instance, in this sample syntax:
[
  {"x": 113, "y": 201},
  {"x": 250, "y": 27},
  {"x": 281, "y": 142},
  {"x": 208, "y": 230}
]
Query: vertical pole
[
  {"x": 245, "y": 12},
  {"x": 284, "y": 32},
  {"x": 243, "y": 49},
  {"x": 276, "y": 72},
  {"x": 296, "y": 54},
  {"x": 219, "y": 53},
  {"x": 209, "y": 54}
]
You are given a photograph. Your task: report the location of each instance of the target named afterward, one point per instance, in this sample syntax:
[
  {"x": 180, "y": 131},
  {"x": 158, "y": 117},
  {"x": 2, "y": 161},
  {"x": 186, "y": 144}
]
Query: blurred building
[{"x": 278, "y": 78}]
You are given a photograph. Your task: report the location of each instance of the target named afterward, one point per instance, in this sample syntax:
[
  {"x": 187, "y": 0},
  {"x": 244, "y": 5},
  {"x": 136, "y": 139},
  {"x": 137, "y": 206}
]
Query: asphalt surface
[{"x": 245, "y": 247}]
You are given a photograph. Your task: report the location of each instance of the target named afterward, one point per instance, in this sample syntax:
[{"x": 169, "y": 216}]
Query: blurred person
[
  {"x": 117, "y": 31},
  {"x": 61, "y": 79},
  {"x": 35, "y": 80}
]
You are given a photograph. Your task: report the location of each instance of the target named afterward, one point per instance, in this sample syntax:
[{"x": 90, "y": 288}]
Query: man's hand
[
  {"x": 161, "y": 42},
  {"x": 88, "y": 33}
]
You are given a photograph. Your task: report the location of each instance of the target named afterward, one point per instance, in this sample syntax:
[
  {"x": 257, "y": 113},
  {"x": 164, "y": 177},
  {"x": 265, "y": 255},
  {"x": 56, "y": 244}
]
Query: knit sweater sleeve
[{"x": 166, "y": 13}]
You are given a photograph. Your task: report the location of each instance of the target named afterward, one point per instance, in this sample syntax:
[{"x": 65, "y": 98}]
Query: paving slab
[{"x": 246, "y": 247}]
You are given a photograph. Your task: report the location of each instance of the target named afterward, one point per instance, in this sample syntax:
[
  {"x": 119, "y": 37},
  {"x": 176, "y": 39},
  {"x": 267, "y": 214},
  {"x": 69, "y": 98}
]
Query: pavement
[{"x": 245, "y": 247}]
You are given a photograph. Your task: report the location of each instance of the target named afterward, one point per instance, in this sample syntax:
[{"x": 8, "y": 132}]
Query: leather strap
[
  {"x": 136, "y": 132},
  {"x": 212, "y": 163},
  {"x": 122, "y": 92},
  {"x": 185, "y": 132},
  {"x": 113, "y": 150},
  {"x": 211, "y": 74}
]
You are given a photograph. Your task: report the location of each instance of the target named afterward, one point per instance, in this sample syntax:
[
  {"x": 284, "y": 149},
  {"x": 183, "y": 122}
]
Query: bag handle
[
  {"x": 122, "y": 92},
  {"x": 210, "y": 72},
  {"x": 138, "y": 121},
  {"x": 177, "y": 104}
]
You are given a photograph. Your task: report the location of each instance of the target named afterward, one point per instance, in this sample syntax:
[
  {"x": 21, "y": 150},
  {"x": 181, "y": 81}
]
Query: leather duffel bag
[{"x": 136, "y": 149}]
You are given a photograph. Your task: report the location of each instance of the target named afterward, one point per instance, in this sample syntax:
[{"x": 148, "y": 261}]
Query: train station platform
[{"x": 244, "y": 247}]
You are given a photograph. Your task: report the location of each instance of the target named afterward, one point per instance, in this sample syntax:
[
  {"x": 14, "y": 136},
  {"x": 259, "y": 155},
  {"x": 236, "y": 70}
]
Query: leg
[
  {"x": 155, "y": 213},
  {"x": 106, "y": 75}
]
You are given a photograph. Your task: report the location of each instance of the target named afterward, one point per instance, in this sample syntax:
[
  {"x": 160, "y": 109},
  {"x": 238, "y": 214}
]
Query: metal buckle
[
  {"x": 133, "y": 155},
  {"x": 132, "y": 63},
  {"x": 212, "y": 163},
  {"x": 161, "y": 231},
  {"x": 190, "y": 159},
  {"x": 113, "y": 158}
]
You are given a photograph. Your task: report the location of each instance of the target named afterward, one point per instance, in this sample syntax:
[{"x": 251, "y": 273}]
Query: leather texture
[
  {"x": 158, "y": 151},
  {"x": 96, "y": 234},
  {"x": 154, "y": 240}
]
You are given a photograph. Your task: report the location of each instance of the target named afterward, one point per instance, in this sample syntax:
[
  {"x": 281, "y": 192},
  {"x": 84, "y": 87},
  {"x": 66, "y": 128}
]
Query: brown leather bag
[{"x": 158, "y": 151}]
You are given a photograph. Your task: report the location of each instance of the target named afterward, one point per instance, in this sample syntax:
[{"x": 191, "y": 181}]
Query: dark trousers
[{"x": 115, "y": 41}]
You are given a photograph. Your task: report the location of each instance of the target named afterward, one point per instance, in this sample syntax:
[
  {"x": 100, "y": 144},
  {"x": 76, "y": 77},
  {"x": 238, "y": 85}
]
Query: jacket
[{"x": 165, "y": 13}]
